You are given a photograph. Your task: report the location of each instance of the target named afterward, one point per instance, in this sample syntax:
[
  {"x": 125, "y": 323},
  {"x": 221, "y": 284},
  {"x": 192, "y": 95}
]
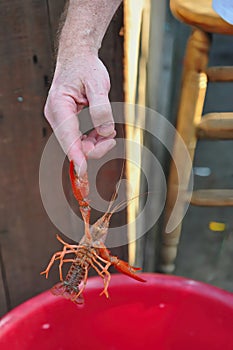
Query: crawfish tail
[
  {"x": 69, "y": 288},
  {"x": 75, "y": 275}
]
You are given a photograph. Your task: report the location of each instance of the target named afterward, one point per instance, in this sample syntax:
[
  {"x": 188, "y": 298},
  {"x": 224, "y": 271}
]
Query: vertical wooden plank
[
  {"x": 4, "y": 303},
  {"x": 25, "y": 51},
  {"x": 137, "y": 30},
  {"x": 111, "y": 53},
  {"x": 156, "y": 89}
]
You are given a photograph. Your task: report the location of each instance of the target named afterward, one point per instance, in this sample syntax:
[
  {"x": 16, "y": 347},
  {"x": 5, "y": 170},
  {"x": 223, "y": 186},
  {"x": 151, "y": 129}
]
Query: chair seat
[{"x": 199, "y": 13}]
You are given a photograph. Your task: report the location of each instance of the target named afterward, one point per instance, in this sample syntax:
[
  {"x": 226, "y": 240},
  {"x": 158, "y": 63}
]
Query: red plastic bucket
[{"x": 166, "y": 313}]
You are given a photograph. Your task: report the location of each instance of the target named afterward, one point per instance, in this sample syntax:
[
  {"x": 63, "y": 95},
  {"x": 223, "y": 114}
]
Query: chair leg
[{"x": 193, "y": 90}]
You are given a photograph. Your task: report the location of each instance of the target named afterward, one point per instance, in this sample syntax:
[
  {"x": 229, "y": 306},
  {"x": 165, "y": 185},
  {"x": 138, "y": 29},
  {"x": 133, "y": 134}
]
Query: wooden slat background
[{"x": 27, "y": 33}]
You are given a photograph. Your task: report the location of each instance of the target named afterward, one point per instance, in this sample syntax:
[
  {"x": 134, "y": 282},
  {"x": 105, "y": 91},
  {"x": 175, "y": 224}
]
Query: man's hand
[{"x": 80, "y": 80}]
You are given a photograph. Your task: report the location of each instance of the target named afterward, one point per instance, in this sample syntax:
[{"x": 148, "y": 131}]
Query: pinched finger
[{"x": 62, "y": 115}]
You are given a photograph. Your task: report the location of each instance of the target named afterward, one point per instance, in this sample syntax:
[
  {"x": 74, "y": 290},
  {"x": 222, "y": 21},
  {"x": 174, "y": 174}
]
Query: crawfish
[{"x": 90, "y": 252}]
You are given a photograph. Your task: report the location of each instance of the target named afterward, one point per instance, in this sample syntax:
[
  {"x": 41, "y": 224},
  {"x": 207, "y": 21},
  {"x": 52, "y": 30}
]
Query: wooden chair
[{"x": 191, "y": 125}]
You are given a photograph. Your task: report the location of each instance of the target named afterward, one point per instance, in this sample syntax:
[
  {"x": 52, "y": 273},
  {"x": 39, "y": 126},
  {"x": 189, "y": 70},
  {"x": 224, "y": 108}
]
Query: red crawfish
[{"x": 90, "y": 252}]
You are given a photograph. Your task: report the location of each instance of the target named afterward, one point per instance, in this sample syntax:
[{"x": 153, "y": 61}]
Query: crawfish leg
[
  {"x": 106, "y": 283},
  {"x": 61, "y": 263},
  {"x": 106, "y": 279},
  {"x": 103, "y": 273},
  {"x": 92, "y": 261},
  {"x": 107, "y": 263},
  {"x": 71, "y": 246},
  {"x": 55, "y": 256},
  {"x": 64, "y": 252},
  {"x": 101, "y": 259}
]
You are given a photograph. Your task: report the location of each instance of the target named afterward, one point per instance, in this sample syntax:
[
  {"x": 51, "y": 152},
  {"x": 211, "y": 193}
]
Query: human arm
[{"x": 81, "y": 79}]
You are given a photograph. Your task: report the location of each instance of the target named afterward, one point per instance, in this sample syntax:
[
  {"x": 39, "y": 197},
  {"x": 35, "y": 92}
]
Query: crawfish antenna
[
  {"x": 127, "y": 201},
  {"x": 114, "y": 195}
]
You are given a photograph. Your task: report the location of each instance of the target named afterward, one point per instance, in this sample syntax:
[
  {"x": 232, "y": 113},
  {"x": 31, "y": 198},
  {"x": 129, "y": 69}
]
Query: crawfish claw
[
  {"x": 124, "y": 267},
  {"x": 80, "y": 186}
]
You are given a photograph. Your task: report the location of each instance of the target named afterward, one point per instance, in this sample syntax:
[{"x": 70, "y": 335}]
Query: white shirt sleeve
[{"x": 224, "y": 8}]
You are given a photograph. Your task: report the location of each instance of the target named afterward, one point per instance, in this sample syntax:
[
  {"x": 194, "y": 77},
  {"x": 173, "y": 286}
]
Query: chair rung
[
  {"x": 215, "y": 126},
  {"x": 212, "y": 198},
  {"x": 220, "y": 73}
]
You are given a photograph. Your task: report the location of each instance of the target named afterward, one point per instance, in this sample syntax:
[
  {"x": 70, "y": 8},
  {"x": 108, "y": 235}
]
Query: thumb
[{"x": 75, "y": 153}]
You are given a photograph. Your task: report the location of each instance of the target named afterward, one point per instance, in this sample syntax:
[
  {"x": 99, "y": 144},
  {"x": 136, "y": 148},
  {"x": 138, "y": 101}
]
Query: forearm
[{"x": 85, "y": 25}]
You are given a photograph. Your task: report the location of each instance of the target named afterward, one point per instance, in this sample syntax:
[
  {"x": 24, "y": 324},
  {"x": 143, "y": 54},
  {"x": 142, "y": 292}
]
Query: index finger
[{"x": 62, "y": 116}]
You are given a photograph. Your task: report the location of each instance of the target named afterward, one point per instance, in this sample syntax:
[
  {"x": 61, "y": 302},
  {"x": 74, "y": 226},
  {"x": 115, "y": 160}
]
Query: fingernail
[{"x": 105, "y": 129}]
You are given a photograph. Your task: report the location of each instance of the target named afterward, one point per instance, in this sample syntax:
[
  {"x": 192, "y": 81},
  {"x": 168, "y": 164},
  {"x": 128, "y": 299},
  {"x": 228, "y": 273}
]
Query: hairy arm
[
  {"x": 85, "y": 25},
  {"x": 80, "y": 80}
]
